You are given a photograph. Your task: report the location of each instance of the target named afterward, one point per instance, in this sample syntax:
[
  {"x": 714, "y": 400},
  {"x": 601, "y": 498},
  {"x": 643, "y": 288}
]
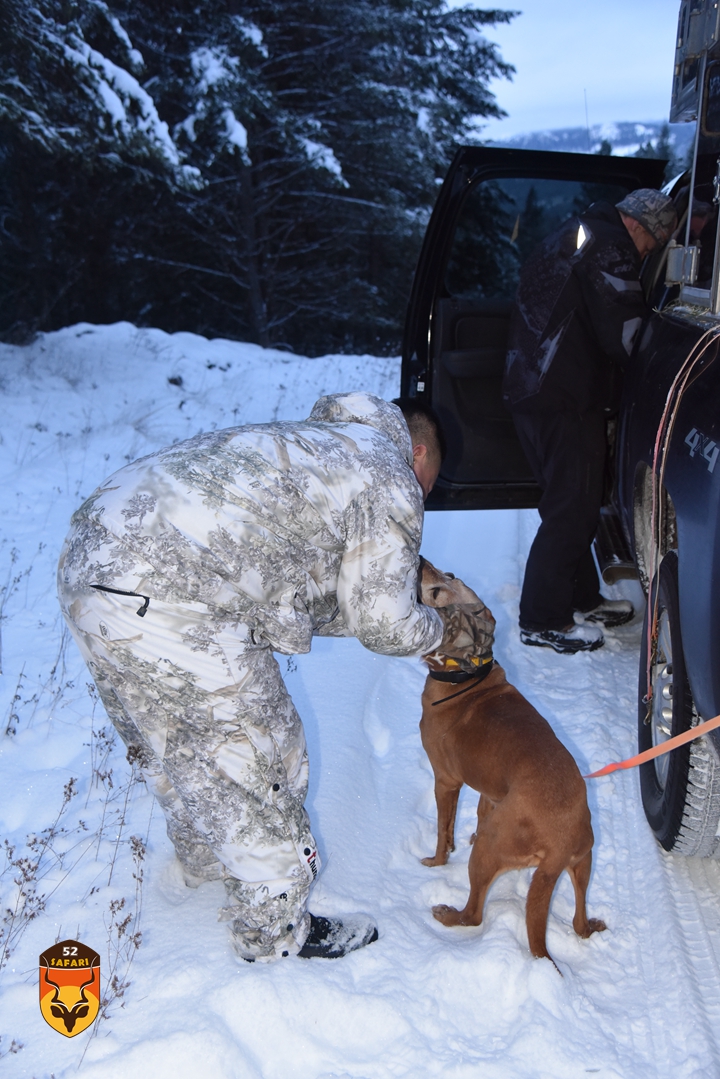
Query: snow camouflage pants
[{"x": 204, "y": 710}]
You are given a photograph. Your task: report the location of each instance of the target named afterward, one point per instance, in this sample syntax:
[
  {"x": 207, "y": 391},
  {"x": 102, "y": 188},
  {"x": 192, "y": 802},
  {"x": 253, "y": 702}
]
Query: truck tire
[{"x": 681, "y": 790}]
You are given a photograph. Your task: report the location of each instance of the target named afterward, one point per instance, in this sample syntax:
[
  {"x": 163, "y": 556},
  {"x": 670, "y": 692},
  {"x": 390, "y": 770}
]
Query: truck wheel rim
[{"x": 662, "y": 710}]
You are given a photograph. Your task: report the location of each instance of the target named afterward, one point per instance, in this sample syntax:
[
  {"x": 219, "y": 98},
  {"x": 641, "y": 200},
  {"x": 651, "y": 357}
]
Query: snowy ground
[{"x": 640, "y": 1001}]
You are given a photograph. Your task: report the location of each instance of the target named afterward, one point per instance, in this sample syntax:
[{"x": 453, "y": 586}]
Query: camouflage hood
[{"x": 360, "y": 407}]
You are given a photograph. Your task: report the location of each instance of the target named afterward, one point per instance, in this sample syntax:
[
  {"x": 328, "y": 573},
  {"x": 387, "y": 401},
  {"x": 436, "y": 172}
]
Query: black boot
[{"x": 331, "y": 938}]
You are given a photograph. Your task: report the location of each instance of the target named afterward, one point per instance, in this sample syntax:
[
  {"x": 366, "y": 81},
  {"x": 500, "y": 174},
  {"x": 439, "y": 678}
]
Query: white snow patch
[
  {"x": 134, "y": 54},
  {"x": 236, "y": 132},
  {"x": 212, "y": 66},
  {"x": 252, "y": 32},
  {"x": 423, "y": 119},
  {"x": 323, "y": 157},
  {"x": 117, "y": 88}
]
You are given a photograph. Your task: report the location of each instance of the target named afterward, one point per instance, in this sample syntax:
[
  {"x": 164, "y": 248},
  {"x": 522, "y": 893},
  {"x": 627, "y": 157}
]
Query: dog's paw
[
  {"x": 437, "y": 859},
  {"x": 592, "y": 925},
  {"x": 447, "y": 915}
]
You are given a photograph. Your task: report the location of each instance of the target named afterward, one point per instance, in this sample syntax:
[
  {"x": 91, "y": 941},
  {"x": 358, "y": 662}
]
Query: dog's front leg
[
  {"x": 486, "y": 863},
  {"x": 446, "y": 798}
]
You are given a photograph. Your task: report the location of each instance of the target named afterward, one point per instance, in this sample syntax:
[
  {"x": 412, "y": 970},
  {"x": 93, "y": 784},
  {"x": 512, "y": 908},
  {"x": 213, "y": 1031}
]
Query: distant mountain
[{"x": 625, "y": 139}]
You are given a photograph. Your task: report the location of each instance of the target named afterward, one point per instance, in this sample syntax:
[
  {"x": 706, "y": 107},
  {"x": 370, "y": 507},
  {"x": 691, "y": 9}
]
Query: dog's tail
[{"x": 537, "y": 908}]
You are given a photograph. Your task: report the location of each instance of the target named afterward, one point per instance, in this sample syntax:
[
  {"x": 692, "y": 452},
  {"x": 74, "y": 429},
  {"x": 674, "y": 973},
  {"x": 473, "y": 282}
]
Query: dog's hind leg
[
  {"x": 446, "y": 798},
  {"x": 580, "y": 876},
  {"x": 537, "y": 908}
]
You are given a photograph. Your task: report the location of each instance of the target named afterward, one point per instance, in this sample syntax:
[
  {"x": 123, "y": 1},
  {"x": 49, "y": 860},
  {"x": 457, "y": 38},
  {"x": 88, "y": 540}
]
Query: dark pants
[{"x": 566, "y": 451}]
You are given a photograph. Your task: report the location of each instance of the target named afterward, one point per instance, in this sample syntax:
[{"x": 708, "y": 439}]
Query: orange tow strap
[{"x": 658, "y": 751}]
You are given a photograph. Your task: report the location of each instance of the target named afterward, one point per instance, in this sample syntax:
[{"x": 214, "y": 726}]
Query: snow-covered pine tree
[
  {"x": 69, "y": 84},
  {"x": 319, "y": 131},
  {"x": 74, "y": 122}
]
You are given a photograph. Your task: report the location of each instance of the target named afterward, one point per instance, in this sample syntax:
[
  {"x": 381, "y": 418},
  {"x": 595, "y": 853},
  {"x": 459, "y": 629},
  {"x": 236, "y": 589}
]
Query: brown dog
[{"x": 533, "y": 807}]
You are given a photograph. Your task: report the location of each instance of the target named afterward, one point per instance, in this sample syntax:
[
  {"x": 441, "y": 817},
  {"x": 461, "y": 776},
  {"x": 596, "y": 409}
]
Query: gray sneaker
[
  {"x": 609, "y": 613},
  {"x": 577, "y": 638}
]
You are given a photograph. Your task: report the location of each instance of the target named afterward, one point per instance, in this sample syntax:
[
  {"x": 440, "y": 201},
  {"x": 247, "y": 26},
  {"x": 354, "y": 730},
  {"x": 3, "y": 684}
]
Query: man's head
[
  {"x": 650, "y": 218},
  {"x": 427, "y": 440},
  {"x": 700, "y": 214}
]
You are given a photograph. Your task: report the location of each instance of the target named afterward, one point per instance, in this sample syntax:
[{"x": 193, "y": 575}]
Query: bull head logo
[{"x": 69, "y": 987}]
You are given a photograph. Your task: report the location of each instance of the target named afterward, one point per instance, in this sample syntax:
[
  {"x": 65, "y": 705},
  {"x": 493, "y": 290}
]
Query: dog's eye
[{"x": 435, "y": 592}]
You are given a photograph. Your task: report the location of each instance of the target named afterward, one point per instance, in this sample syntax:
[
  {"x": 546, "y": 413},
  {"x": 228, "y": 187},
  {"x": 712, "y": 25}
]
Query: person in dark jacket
[{"x": 577, "y": 312}]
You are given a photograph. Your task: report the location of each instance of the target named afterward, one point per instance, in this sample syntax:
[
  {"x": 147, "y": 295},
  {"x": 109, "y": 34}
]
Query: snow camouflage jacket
[
  {"x": 577, "y": 311},
  {"x": 290, "y": 528}
]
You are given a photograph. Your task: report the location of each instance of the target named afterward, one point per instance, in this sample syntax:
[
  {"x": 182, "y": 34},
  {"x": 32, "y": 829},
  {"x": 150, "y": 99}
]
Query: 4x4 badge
[
  {"x": 69, "y": 987},
  {"x": 708, "y": 449}
]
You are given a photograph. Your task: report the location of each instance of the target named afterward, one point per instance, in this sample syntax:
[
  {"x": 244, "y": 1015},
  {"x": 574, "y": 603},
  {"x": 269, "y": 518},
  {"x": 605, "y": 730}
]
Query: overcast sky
[{"x": 620, "y": 52}]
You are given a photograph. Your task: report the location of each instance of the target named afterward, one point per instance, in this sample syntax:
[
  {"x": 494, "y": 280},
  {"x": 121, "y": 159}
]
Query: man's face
[
  {"x": 697, "y": 224},
  {"x": 426, "y": 468},
  {"x": 644, "y": 242}
]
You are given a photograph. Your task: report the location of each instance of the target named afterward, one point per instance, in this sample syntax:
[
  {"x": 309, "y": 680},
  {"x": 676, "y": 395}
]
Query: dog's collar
[
  {"x": 485, "y": 665},
  {"x": 452, "y": 671}
]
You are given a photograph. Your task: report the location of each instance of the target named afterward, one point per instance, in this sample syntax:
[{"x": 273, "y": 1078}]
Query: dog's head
[
  {"x": 438, "y": 589},
  {"x": 469, "y": 624}
]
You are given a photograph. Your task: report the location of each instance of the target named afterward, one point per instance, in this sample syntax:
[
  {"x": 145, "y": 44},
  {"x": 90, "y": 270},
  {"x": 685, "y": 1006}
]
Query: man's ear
[{"x": 419, "y": 452}]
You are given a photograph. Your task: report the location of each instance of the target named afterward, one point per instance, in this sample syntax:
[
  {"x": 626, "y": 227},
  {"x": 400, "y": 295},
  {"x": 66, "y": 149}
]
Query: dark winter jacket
[{"x": 577, "y": 311}]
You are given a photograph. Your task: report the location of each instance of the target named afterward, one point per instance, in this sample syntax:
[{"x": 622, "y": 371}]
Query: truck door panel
[{"x": 466, "y": 392}]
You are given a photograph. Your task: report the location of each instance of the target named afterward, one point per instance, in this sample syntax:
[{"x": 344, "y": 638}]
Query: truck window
[
  {"x": 711, "y": 119},
  {"x": 502, "y": 221},
  {"x": 701, "y": 222}
]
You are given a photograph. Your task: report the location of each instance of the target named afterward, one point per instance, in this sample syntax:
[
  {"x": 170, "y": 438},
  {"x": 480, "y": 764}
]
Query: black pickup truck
[{"x": 661, "y": 522}]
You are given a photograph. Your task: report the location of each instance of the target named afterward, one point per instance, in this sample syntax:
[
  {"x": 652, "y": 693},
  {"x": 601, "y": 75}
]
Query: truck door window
[
  {"x": 702, "y": 218},
  {"x": 502, "y": 221},
  {"x": 711, "y": 118}
]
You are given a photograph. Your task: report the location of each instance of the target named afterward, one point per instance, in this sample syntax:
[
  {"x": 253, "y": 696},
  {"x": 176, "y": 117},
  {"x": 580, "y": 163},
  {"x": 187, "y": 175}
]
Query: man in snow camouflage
[
  {"x": 578, "y": 309},
  {"x": 180, "y": 576}
]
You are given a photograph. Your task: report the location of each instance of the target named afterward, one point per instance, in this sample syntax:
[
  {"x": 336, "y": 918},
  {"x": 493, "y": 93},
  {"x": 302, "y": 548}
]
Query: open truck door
[{"x": 494, "y": 207}]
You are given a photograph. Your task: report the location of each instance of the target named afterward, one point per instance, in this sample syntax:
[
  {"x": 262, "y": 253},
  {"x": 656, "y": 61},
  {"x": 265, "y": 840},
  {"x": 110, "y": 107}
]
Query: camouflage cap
[{"x": 653, "y": 210}]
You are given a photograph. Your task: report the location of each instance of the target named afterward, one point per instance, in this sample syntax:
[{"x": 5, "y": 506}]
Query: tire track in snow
[
  {"x": 656, "y": 979},
  {"x": 676, "y": 948},
  {"x": 694, "y": 888}
]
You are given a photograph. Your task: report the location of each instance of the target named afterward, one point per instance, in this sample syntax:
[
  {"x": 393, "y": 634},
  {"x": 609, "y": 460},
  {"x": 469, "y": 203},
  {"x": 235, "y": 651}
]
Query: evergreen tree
[
  {"x": 284, "y": 192},
  {"x": 76, "y": 126},
  {"x": 69, "y": 86},
  {"x": 532, "y": 225},
  {"x": 663, "y": 149}
]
